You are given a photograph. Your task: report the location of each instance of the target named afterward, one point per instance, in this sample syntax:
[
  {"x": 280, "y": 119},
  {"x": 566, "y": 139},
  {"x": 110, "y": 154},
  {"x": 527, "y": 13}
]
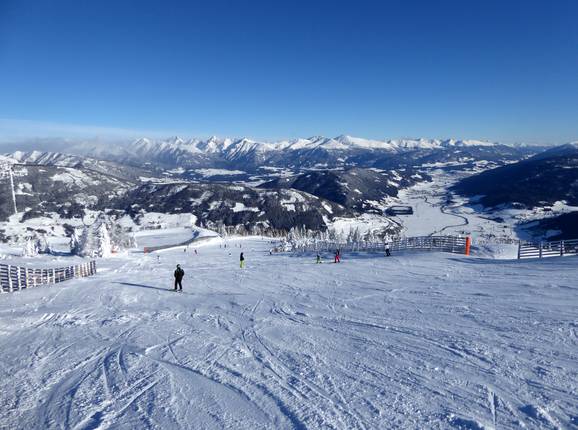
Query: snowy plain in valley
[
  {"x": 413, "y": 341},
  {"x": 434, "y": 215}
]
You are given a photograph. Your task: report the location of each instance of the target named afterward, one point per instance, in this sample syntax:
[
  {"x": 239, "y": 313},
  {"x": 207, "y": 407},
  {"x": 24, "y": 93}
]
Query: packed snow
[
  {"x": 218, "y": 172},
  {"x": 417, "y": 340},
  {"x": 240, "y": 207}
]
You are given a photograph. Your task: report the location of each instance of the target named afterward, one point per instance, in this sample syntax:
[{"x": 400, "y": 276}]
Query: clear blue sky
[{"x": 502, "y": 70}]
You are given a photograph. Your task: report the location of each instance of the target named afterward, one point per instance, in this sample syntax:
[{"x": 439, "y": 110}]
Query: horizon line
[{"x": 14, "y": 131}]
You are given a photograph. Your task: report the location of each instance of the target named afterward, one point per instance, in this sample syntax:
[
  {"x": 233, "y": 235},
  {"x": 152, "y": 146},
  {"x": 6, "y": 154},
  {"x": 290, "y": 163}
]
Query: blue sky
[{"x": 500, "y": 70}]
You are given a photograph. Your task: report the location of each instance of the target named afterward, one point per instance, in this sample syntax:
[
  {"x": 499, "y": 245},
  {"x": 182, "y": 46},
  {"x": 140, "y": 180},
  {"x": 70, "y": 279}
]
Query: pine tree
[
  {"x": 103, "y": 242},
  {"x": 74, "y": 242},
  {"x": 30, "y": 247},
  {"x": 95, "y": 240},
  {"x": 120, "y": 239},
  {"x": 43, "y": 245}
]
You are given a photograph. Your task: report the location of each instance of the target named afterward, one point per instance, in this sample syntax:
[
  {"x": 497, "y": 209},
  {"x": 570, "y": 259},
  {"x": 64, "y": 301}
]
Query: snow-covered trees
[
  {"x": 354, "y": 236},
  {"x": 101, "y": 239},
  {"x": 35, "y": 244},
  {"x": 94, "y": 240},
  {"x": 119, "y": 238},
  {"x": 43, "y": 245},
  {"x": 30, "y": 247}
]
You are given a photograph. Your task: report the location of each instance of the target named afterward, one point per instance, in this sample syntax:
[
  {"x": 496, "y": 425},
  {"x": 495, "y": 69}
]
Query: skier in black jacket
[{"x": 179, "y": 273}]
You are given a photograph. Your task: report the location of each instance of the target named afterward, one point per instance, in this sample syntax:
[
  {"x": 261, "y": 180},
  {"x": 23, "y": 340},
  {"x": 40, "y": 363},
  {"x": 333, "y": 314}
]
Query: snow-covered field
[
  {"x": 417, "y": 341},
  {"x": 169, "y": 236},
  {"x": 434, "y": 215}
]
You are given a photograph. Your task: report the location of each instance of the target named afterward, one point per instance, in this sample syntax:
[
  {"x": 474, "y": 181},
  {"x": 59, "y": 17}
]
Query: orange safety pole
[{"x": 468, "y": 245}]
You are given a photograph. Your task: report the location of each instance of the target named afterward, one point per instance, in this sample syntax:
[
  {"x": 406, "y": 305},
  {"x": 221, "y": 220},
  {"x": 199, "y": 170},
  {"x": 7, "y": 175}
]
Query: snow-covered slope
[
  {"x": 360, "y": 189},
  {"x": 60, "y": 159},
  {"x": 234, "y": 206},
  {"x": 537, "y": 181},
  {"x": 65, "y": 190},
  {"x": 420, "y": 341},
  {"x": 541, "y": 191}
]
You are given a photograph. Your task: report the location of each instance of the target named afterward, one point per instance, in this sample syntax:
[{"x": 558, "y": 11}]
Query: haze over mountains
[{"x": 315, "y": 151}]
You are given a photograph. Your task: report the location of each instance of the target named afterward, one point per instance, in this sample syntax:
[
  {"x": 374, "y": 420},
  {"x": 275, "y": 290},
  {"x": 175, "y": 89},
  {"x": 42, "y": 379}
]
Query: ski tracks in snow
[{"x": 425, "y": 341}]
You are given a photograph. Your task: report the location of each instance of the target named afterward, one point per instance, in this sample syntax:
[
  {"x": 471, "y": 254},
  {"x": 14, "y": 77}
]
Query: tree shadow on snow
[{"x": 491, "y": 261}]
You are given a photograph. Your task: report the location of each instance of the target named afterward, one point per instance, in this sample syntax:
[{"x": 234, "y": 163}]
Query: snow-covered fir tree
[
  {"x": 102, "y": 238},
  {"x": 43, "y": 245},
  {"x": 30, "y": 247},
  {"x": 95, "y": 240},
  {"x": 120, "y": 239},
  {"x": 74, "y": 242}
]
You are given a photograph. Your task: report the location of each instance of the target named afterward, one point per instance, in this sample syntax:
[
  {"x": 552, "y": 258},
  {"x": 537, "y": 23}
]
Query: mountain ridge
[{"x": 317, "y": 151}]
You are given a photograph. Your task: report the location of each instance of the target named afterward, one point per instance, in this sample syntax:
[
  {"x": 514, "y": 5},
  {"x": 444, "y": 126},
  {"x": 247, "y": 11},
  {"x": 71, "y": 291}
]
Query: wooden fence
[
  {"x": 16, "y": 278},
  {"x": 543, "y": 249},
  {"x": 453, "y": 244}
]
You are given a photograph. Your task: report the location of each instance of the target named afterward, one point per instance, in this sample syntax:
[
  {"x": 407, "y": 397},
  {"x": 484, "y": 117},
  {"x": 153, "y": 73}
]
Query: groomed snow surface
[{"x": 414, "y": 341}]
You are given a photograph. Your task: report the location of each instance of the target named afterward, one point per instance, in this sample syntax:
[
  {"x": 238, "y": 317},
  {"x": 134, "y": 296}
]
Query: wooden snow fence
[
  {"x": 558, "y": 248},
  {"x": 452, "y": 244},
  {"x": 16, "y": 278}
]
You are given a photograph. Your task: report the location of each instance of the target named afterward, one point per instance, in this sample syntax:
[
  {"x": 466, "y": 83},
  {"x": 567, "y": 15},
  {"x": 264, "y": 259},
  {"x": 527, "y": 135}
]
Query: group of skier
[
  {"x": 337, "y": 255},
  {"x": 180, "y": 273}
]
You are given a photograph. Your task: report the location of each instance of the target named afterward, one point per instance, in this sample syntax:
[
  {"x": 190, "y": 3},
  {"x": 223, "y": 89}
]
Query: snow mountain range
[{"x": 314, "y": 152}]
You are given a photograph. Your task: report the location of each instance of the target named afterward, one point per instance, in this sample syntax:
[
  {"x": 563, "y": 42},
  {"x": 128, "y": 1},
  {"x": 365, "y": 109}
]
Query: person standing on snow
[
  {"x": 337, "y": 256},
  {"x": 179, "y": 273},
  {"x": 318, "y": 261},
  {"x": 242, "y": 261},
  {"x": 387, "y": 253}
]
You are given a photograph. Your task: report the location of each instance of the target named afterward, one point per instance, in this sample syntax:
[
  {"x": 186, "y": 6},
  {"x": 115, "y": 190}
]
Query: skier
[
  {"x": 179, "y": 273},
  {"x": 242, "y": 261},
  {"x": 195, "y": 251},
  {"x": 337, "y": 256},
  {"x": 318, "y": 261},
  {"x": 387, "y": 253}
]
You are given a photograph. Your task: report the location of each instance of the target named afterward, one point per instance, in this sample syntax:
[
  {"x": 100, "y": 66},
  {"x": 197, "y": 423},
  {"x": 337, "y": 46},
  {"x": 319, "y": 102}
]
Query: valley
[{"x": 247, "y": 187}]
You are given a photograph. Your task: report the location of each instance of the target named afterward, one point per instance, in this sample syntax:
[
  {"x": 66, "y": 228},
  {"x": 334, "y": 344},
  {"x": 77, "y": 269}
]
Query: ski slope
[{"x": 414, "y": 341}]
